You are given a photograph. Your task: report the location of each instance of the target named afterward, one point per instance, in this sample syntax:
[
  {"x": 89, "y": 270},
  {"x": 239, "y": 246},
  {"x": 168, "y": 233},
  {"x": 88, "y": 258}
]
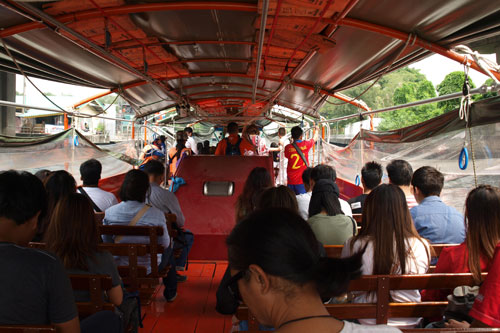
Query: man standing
[
  {"x": 90, "y": 172},
  {"x": 191, "y": 142},
  {"x": 371, "y": 177},
  {"x": 433, "y": 219},
  {"x": 167, "y": 202},
  {"x": 297, "y": 154},
  {"x": 233, "y": 145},
  {"x": 400, "y": 173}
]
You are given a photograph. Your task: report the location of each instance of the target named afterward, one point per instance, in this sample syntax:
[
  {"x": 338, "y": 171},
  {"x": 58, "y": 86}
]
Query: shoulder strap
[
  {"x": 301, "y": 154},
  {"x": 134, "y": 221},
  {"x": 82, "y": 191},
  {"x": 354, "y": 226}
]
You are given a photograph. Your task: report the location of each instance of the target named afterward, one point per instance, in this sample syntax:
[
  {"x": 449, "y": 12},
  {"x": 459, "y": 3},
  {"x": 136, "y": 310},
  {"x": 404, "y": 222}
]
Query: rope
[
  {"x": 484, "y": 63},
  {"x": 27, "y": 78},
  {"x": 409, "y": 41},
  {"x": 464, "y": 113}
]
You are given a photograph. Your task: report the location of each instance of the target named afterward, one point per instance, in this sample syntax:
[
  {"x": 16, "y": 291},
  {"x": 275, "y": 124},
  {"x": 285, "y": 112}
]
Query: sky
[{"x": 434, "y": 67}]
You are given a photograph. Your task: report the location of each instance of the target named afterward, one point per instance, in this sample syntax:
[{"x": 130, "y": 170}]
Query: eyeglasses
[{"x": 232, "y": 285}]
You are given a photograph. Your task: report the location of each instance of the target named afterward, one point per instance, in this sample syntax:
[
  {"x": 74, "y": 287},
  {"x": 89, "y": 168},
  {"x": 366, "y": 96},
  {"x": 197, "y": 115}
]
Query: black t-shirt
[
  {"x": 103, "y": 263},
  {"x": 34, "y": 288},
  {"x": 357, "y": 203}
]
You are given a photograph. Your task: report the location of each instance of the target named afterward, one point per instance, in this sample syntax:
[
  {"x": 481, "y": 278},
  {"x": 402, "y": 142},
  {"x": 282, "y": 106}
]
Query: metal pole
[
  {"x": 262, "y": 32},
  {"x": 481, "y": 90}
]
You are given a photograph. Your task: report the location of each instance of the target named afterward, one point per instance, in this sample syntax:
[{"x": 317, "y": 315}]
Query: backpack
[{"x": 233, "y": 150}]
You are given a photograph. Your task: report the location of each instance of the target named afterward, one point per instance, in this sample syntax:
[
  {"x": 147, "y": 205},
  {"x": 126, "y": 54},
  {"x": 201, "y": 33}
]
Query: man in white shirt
[
  {"x": 90, "y": 172},
  {"x": 167, "y": 202},
  {"x": 400, "y": 173},
  {"x": 191, "y": 142},
  {"x": 304, "y": 198},
  {"x": 321, "y": 171}
]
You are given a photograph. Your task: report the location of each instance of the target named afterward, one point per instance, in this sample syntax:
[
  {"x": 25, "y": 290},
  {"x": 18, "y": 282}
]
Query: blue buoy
[
  {"x": 463, "y": 159},
  {"x": 357, "y": 181},
  {"x": 75, "y": 141}
]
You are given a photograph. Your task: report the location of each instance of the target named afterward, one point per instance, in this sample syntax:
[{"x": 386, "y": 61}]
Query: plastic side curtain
[
  {"x": 438, "y": 143},
  {"x": 65, "y": 151}
]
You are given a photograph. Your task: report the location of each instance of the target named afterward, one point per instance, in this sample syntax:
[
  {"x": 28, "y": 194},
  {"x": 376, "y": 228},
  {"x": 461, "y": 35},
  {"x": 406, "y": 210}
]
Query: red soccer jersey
[
  {"x": 296, "y": 165},
  {"x": 486, "y": 308}
]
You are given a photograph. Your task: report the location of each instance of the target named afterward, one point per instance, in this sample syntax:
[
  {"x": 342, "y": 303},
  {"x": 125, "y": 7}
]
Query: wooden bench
[
  {"x": 334, "y": 251},
  {"x": 95, "y": 285},
  {"x": 383, "y": 310},
  {"x": 145, "y": 283},
  {"x": 27, "y": 328},
  {"x": 134, "y": 276},
  {"x": 358, "y": 218}
]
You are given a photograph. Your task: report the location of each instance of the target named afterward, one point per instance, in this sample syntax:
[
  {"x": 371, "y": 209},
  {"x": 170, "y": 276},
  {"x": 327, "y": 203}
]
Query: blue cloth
[
  {"x": 122, "y": 214},
  {"x": 297, "y": 189},
  {"x": 437, "y": 222},
  {"x": 189, "y": 239},
  {"x": 170, "y": 280}
]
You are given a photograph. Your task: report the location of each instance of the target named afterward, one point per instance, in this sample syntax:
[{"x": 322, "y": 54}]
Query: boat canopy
[{"x": 210, "y": 59}]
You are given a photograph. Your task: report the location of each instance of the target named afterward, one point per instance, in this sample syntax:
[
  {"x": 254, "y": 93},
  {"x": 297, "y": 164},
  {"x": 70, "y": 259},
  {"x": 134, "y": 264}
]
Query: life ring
[
  {"x": 75, "y": 141},
  {"x": 357, "y": 181},
  {"x": 463, "y": 159}
]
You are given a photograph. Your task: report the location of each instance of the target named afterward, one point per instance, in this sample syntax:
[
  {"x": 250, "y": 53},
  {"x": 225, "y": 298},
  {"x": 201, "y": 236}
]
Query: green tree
[
  {"x": 407, "y": 93},
  {"x": 452, "y": 83},
  {"x": 378, "y": 96}
]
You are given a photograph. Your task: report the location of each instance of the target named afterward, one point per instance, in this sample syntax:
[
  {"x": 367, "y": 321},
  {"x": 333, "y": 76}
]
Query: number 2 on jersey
[{"x": 297, "y": 159}]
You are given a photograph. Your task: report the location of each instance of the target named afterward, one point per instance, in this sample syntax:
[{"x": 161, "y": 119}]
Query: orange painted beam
[{"x": 403, "y": 36}]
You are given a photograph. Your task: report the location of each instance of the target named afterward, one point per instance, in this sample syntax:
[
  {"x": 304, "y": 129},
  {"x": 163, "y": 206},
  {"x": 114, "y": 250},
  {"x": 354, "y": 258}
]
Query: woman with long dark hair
[
  {"x": 258, "y": 180},
  {"x": 326, "y": 219},
  {"x": 392, "y": 246},
  {"x": 72, "y": 235},
  {"x": 58, "y": 185},
  {"x": 482, "y": 221},
  {"x": 278, "y": 272}
]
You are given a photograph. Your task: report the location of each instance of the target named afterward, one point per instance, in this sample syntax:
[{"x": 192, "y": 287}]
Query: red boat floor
[{"x": 193, "y": 311}]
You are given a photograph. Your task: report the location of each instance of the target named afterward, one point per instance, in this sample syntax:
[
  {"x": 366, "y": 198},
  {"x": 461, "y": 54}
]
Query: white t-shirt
[
  {"x": 418, "y": 263},
  {"x": 101, "y": 198},
  {"x": 191, "y": 143},
  {"x": 355, "y": 328},
  {"x": 303, "y": 203}
]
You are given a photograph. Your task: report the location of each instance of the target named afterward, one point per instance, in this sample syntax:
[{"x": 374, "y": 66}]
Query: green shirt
[{"x": 332, "y": 230}]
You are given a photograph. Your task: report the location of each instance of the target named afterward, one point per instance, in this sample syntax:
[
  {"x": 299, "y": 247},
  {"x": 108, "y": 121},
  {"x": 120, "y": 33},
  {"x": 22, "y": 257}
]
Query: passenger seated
[
  {"x": 304, "y": 198},
  {"x": 58, "y": 186},
  {"x": 400, "y": 173},
  {"x": 482, "y": 212},
  {"x": 90, "y": 172},
  {"x": 153, "y": 151},
  {"x": 434, "y": 220},
  {"x": 233, "y": 145},
  {"x": 133, "y": 195},
  {"x": 371, "y": 177},
  {"x": 278, "y": 197},
  {"x": 206, "y": 148},
  {"x": 326, "y": 219},
  {"x": 392, "y": 246},
  {"x": 277, "y": 271},
  {"x": 72, "y": 235},
  {"x": 35, "y": 288},
  {"x": 43, "y": 174},
  {"x": 167, "y": 202},
  {"x": 177, "y": 153},
  {"x": 258, "y": 180},
  {"x": 323, "y": 171}
]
